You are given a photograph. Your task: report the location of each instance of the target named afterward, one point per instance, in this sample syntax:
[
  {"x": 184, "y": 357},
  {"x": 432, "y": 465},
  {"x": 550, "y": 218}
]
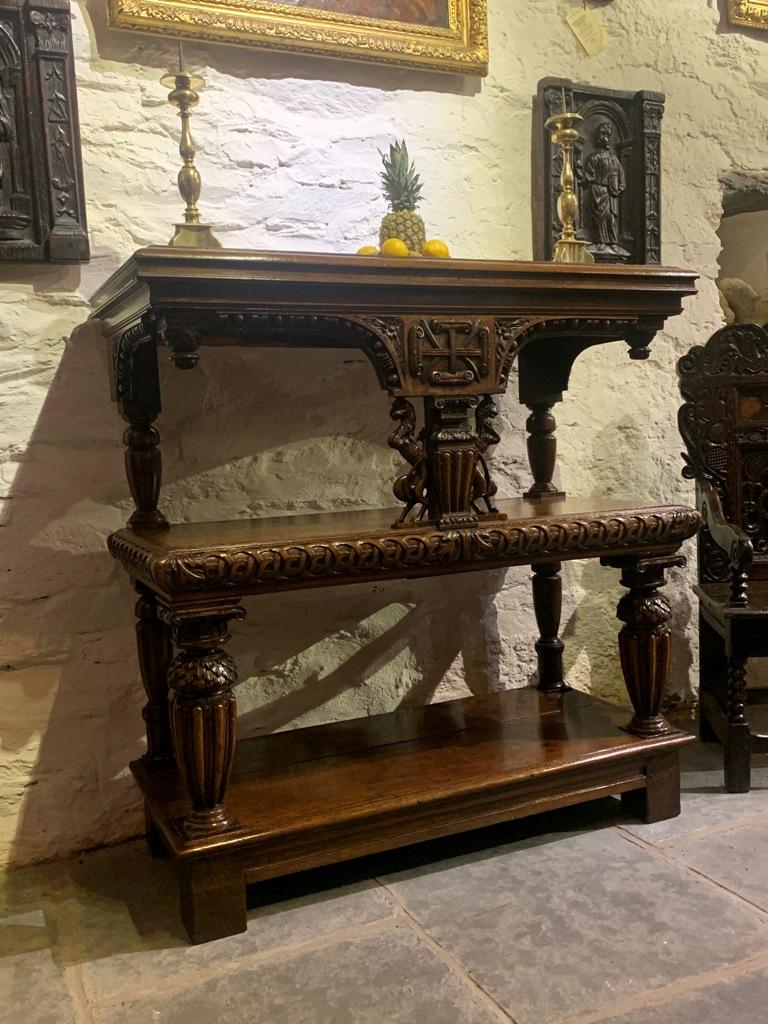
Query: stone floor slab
[
  {"x": 33, "y": 989},
  {"x": 735, "y": 859},
  {"x": 558, "y": 925},
  {"x": 121, "y": 922},
  {"x": 740, "y": 1001},
  {"x": 386, "y": 977}
]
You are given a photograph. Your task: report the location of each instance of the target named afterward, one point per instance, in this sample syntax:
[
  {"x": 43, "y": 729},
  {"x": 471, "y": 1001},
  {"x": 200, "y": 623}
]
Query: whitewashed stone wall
[{"x": 288, "y": 155}]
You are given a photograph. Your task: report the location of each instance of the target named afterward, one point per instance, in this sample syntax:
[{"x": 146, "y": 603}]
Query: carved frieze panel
[
  {"x": 416, "y": 551},
  {"x": 617, "y": 162},
  {"x": 42, "y": 204}
]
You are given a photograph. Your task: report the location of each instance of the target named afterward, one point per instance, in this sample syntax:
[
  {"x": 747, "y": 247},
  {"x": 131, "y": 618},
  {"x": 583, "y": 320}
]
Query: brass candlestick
[
  {"x": 568, "y": 248},
  {"x": 184, "y": 95}
]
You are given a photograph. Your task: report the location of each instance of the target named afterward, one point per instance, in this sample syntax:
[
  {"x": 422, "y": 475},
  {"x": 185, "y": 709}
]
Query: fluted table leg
[{"x": 203, "y": 714}]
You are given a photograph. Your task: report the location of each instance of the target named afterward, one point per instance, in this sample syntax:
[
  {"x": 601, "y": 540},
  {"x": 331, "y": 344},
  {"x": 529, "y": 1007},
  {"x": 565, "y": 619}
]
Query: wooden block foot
[
  {"x": 660, "y": 799},
  {"x": 738, "y": 758},
  {"x": 212, "y": 900}
]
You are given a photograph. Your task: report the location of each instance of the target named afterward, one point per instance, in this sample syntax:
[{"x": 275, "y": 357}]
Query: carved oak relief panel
[
  {"x": 724, "y": 423},
  {"x": 42, "y": 205},
  {"x": 617, "y": 163}
]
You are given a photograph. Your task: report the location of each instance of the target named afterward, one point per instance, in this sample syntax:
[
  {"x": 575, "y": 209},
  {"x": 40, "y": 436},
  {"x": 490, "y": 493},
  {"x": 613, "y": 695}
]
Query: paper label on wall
[{"x": 588, "y": 29}]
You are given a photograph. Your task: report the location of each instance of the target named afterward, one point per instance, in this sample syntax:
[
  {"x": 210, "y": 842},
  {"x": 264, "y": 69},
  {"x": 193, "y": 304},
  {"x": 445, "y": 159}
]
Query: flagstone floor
[{"x": 569, "y": 918}]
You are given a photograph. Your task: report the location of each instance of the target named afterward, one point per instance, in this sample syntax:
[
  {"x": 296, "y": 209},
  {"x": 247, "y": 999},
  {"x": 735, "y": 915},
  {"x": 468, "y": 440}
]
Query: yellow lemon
[
  {"x": 394, "y": 247},
  {"x": 436, "y": 249},
  {"x": 368, "y": 250}
]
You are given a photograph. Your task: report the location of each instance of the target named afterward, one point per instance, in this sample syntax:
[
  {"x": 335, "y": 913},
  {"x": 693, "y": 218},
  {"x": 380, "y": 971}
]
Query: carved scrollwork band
[{"x": 402, "y": 552}]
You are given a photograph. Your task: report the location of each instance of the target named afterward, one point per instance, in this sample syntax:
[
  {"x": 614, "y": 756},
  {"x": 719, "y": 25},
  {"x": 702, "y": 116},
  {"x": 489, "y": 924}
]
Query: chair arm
[{"x": 728, "y": 537}]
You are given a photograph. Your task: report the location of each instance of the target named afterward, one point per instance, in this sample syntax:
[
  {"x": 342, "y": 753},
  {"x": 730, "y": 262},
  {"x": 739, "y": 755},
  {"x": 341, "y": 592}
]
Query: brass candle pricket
[
  {"x": 568, "y": 248},
  {"x": 184, "y": 95}
]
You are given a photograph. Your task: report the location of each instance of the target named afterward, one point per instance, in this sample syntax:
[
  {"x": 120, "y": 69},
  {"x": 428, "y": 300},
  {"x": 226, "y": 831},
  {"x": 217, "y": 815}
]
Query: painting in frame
[
  {"x": 751, "y": 13},
  {"x": 443, "y": 35}
]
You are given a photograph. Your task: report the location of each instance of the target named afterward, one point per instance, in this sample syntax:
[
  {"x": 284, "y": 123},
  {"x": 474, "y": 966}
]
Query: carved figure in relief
[
  {"x": 6, "y": 141},
  {"x": 483, "y": 487},
  {"x": 410, "y": 488},
  {"x": 604, "y": 176}
]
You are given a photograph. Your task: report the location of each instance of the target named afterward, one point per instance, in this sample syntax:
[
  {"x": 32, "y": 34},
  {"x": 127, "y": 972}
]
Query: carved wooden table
[{"x": 446, "y": 333}]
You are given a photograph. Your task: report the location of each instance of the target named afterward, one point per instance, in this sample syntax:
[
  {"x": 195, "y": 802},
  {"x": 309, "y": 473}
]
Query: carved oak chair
[{"x": 724, "y": 424}]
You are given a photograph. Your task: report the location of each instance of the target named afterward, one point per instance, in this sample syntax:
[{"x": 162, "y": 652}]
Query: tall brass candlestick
[
  {"x": 184, "y": 95},
  {"x": 568, "y": 248}
]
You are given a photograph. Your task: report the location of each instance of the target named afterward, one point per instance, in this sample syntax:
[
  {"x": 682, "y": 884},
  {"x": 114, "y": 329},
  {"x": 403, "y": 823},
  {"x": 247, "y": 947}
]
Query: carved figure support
[
  {"x": 547, "y": 604},
  {"x": 153, "y": 641},
  {"x": 411, "y": 488},
  {"x": 645, "y": 640},
  {"x": 203, "y": 713},
  {"x": 738, "y": 740},
  {"x": 542, "y": 451},
  {"x": 484, "y": 488}
]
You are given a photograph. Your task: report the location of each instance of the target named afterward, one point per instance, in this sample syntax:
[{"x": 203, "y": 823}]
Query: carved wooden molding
[
  {"x": 42, "y": 202},
  {"x": 413, "y": 356},
  {"x": 749, "y": 13},
  {"x": 396, "y": 553}
]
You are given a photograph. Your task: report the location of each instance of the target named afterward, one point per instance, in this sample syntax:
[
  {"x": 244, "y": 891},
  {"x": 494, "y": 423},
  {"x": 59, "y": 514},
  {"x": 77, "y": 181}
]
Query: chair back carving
[{"x": 724, "y": 425}]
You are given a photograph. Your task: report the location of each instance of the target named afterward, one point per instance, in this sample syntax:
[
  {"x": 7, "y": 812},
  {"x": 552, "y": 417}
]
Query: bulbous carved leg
[
  {"x": 738, "y": 743},
  {"x": 542, "y": 451},
  {"x": 547, "y": 604},
  {"x": 143, "y": 467},
  {"x": 203, "y": 714},
  {"x": 153, "y": 640},
  {"x": 645, "y": 643}
]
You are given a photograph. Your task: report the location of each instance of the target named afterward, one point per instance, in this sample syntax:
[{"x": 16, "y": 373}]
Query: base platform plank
[{"x": 316, "y": 796}]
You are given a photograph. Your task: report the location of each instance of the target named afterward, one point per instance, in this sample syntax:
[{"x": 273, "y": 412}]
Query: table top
[{"x": 189, "y": 277}]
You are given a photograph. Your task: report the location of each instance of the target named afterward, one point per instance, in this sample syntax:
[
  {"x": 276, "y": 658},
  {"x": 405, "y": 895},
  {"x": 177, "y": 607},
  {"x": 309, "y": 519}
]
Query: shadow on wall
[
  {"x": 591, "y": 656},
  {"x": 238, "y": 440}
]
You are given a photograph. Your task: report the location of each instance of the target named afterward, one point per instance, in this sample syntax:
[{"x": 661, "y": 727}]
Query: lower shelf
[{"x": 317, "y": 796}]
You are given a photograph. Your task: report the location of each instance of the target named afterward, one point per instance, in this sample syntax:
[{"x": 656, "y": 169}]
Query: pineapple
[{"x": 402, "y": 188}]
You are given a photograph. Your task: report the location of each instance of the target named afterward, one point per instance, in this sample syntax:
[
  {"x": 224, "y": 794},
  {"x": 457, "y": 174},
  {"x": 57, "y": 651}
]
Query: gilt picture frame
[
  {"x": 749, "y": 13},
  {"x": 440, "y": 35}
]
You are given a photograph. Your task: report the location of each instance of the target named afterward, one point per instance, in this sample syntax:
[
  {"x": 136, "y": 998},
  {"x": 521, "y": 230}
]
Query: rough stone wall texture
[
  {"x": 288, "y": 156},
  {"x": 745, "y": 252}
]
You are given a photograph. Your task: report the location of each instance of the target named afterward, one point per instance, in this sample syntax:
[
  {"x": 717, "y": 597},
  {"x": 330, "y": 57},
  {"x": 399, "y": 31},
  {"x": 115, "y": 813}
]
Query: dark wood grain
[{"x": 320, "y": 795}]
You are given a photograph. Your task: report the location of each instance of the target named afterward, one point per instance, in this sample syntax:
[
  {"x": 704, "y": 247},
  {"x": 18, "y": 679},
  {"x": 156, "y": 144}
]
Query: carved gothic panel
[
  {"x": 42, "y": 204},
  {"x": 618, "y": 171}
]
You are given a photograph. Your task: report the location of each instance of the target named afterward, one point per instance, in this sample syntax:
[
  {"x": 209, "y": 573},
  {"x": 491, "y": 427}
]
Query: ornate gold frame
[
  {"x": 461, "y": 48},
  {"x": 753, "y": 13}
]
